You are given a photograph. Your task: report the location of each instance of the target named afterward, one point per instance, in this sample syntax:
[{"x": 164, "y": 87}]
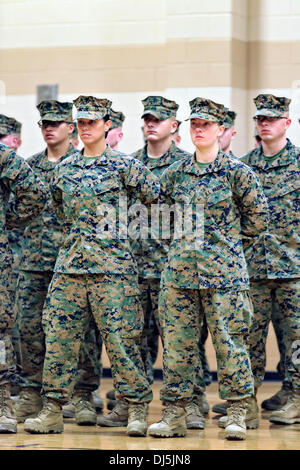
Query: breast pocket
[
  {"x": 284, "y": 200},
  {"x": 107, "y": 190},
  {"x": 220, "y": 206}
]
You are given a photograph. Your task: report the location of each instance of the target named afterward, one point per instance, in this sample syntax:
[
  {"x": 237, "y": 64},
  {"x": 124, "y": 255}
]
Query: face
[
  {"x": 226, "y": 138},
  {"x": 156, "y": 130},
  {"x": 12, "y": 140},
  {"x": 272, "y": 128},
  {"x": 114, "y": 136},
  {"x": 56, "y": 132},
  {"x": 205, "y": 134},
  {"x": 92, "y": 131}
]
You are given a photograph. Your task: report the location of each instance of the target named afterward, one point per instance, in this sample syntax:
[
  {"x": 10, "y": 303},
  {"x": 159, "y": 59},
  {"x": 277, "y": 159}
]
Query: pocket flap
[{"x": 218, "y": 196}]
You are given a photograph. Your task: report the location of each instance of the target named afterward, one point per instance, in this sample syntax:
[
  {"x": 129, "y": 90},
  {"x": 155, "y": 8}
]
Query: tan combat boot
[
  {"x": 117, "y": 417},
  {"x": 277, "y": 401},
  {"x": 236, "y": 420},
  {"x": 194, "y": 416},
  {"x": 28, "y": 405},
  {"x": 289, "y": 413},
  {"x": 137, "y": 419},
  {"x": 49, "y": 419},
  {"x": 172, "y": 424},
  {"x": 252, "y": 415},
  {"x": 85, "y": 413},
  {"x": 8, "y": 422}
]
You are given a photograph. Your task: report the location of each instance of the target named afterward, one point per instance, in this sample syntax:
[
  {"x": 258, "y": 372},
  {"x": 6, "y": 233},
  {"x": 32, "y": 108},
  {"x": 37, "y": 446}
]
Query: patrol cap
[
  {"x": 9, "y": 125},
  {"x": 90, "y": 107},
  {"x": 52, "y": 110},
  {"x": 117, "y": 118},
  {"x": 270, "y": 105},
  {"x": 208, "y": 110},
  {"x": 229, "y": 119},
  {"x": 159, "y": 107}
]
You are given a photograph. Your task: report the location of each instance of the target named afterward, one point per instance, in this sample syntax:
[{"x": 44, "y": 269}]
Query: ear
[
  {"x": 221, "y": 130},
  {"x": 71, "y": 128},
  {"x": 107, "y": 125},
  {"x": 174, "y": 127},
  {"x": 288, "y": 123}
]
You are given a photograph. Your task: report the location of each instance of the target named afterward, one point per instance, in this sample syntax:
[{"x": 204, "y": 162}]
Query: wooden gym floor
[{"x": 267, "y": 437}]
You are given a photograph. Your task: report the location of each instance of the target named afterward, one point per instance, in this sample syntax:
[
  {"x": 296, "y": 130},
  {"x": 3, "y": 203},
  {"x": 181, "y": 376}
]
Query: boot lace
[
  {"x": 235, "y": 413},
  {"x": 138, "y": 412}
]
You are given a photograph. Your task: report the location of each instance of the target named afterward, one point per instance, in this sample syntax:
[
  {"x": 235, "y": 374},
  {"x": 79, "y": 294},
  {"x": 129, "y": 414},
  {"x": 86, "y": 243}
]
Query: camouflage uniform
[
  {"x": 150, "y": 253},
  {"x": 274, "y": 261},
  {"x": 8, "y": 126},
  {"x": 41, "y": 242},
  {"x": 30, "y": 197},
  {"x": 211, "y": 273},
  {"x": 95, "y": 271}
]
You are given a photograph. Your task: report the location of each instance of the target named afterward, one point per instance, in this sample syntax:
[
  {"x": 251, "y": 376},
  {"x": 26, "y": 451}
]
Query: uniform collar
[
  {"x": 286, "y": 158},
  {"x": 164, "y": 160},
  {"x": 101, "y": 160},
  {"x": 45, "y": 164},
  {"x": 191, "y": 165}
]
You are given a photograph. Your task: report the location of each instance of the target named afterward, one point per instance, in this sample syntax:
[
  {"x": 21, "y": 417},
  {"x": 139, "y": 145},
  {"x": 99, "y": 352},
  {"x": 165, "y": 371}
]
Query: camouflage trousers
[
  {"x": 7, "y": 321},
  {"x": 31, "y": 294},
  {"x": 228, "y": 314},
  {"x": 150, "y": 289},
  {"x": 282, "y": 339},
  {"x": 286, "y": 292},
  {"x": 114, "y": 303},
  {"x": 13, "y": 283}
]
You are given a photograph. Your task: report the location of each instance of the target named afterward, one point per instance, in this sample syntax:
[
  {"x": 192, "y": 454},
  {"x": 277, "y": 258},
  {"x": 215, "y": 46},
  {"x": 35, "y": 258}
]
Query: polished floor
[{"x": 267, "y": 437}]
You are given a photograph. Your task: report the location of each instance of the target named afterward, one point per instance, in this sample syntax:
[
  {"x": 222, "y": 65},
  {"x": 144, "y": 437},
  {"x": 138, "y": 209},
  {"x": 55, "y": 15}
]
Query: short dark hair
[
  {"x": 3, "y": 135},
  {"x": 105, "y": 119}
]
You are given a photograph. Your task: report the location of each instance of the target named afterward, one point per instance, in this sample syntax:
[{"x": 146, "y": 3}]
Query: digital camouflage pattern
[
  {"x": 229, "y": 119},
  {"x": 270, "y": 105},
  {"x": 32, "y": 291},
  {"x": 31, "y": 294},
  {"x": 52, "y": 110},
  {"x": 151, "y": 254},
  {"x": 277, "y": 255},
  {"x": 89, "y": 107},
  {"x": 80, "y": 188},
  {"x": 9, "y": 125},
  {"x": 43, "y": 237},
  {"x": 117, "y": 118},
  {"x": 41, "y": 242},
  {"x": 208, "y": 110},
  {"x": 228, "y": 314},
  {"x": 274, "y": 263},
  {"x": 286, "y": 292},
  {"x": 281, "y": 332},
  {"x": 159, "y": 107},
  {"x": 101, "y": 269},
  {"x": 114, "y": 302},
  {"x": 29, "y": 198},
  {"x": 30, "y": 195},
  {"x": 235, "y": 215}
]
